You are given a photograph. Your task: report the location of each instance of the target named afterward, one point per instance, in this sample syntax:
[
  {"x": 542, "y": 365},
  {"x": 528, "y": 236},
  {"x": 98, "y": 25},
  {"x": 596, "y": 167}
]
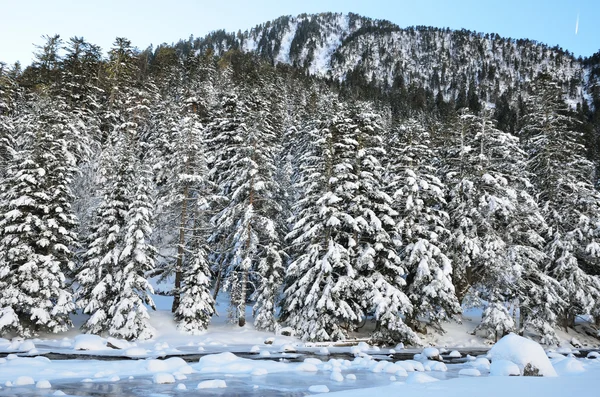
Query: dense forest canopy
[{"x": 327, "y": 169}]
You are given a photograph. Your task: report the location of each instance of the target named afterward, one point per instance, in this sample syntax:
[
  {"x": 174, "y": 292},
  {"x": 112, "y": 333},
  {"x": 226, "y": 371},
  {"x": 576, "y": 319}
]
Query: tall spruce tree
[
  {"x": 570, "y": 204},
  {"x": 37, "y": 230},
  {"x": 422, "y": 227}
]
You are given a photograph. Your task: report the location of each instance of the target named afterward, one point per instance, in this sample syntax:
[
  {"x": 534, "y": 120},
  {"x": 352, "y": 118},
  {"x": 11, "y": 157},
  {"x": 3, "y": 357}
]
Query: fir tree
[
  {"x": 569, "y": 202},
  {"x": 37, "y": 233},
  {"x": 419, "y": 197}
]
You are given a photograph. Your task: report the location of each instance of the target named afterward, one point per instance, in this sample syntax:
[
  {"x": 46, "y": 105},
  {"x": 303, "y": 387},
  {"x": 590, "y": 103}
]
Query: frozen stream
[{"x": 275, "y": 384}]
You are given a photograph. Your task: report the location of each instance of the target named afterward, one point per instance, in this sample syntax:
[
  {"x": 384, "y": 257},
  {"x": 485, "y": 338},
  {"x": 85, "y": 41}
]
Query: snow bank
[
  {"x": 521, "y": 352},
  {"x": 569, "y": 366}
]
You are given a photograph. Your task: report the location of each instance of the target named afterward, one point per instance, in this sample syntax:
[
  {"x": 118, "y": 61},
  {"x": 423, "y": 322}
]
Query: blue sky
[{"x": 22, "y": 23}]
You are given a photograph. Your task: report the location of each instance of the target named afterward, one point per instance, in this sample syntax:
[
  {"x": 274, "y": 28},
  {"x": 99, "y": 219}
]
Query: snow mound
[
  {"x": 24, "y": 381},
  {"x": 569, "y": 366},
  {"x": 522, "y": 352},
  {"x": 481, "y": 363},
  {"x": 43, "y": 384},
  {"x": 455, "y": 354},
  {"x": 418, "y": 377},
  {"x": 336, "y": 376},
  {"x": 504, "y": 368},
  {"x": 169, "y": 365},
  {"x": 318, "y": 389},
  {"x": 212, "y": 360},
  {"x": 469, "y": 372},
  {"x": 593, "y": 355},
  {"x": 431, "y": 353},
  {"x": 163, "y": 378},
  {"x": 212, "y": 384},
  {"x": 351, "y": 377},
  {"x": 436, "y": 366},
  {"x": 181, "y": 386},
  {"x": 59, "y": 393},
  {"x": 89, "y": 342},
  {"x": 118, "y": 343}
]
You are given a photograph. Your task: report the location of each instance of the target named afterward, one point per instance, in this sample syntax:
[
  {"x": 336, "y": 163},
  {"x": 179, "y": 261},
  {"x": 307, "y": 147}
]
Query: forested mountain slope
[{"x": 326, "y": 169}]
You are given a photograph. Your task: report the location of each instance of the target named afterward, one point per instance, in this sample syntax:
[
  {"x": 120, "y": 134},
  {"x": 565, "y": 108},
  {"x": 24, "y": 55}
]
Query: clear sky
[{"x": 572, "y": 24}]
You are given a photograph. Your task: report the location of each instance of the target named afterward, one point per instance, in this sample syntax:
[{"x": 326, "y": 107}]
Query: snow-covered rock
[
  {"x": 504, "y": 368},
  {"x": 481, "y": 364},
  {"x": 469, "y": 372},
  {"x": 336, "y": 376},
  {"x": 455, "y": 354},
  {"x": 522, "y": 351},
  {"x": 431, "y": 353},
  {"x": 351, "y": 377},
  {"x": 212, "y": 384},
  {"x": 593, "y": 355},
  {"x": 43, "y": 384},
  {"x": 163, "y": 378},
  {"x": 181, "y": 386},
  {"x": 169, "y": 365},
  {"x": 24, "y": 381},
  {"x": 89, "y": 342}
]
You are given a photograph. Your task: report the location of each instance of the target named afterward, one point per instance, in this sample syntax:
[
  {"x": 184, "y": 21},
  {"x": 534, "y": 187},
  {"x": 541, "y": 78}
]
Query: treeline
[{"x": 318, "y": 206}]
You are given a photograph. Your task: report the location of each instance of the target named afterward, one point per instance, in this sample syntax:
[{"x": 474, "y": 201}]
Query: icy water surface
[{"x": 276, "y": 384}]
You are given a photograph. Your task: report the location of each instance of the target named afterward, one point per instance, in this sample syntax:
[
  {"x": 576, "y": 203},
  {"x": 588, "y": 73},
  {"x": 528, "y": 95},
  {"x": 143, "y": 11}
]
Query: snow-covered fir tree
[
  {"x": 37, "y": 231},
  {"x": 569, "y": 202},
  {"x": 244, "y": 148},
  {"x": 419, "y": 199},
  {"x": 379, "y": 282}
]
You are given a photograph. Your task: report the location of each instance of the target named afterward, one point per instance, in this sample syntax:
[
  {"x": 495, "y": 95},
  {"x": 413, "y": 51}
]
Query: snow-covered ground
[{"x": 265, "y": 364}]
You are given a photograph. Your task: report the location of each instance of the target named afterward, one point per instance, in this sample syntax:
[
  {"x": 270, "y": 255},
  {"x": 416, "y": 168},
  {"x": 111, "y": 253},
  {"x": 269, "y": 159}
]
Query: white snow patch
[
  {"x": 336, "y": 376},
  {"x": 318, "y": 389}
]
